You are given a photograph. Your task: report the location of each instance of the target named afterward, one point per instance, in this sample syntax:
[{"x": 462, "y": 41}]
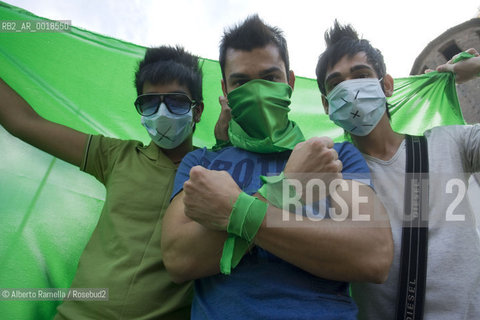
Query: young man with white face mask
[
  {"x": 123, "y": 253},
  {"x": 274, "y": 266},
  {"x": 352, "y": 78}
]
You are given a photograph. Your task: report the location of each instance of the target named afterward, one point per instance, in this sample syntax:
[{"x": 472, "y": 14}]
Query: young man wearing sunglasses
[
  {"x": 275, "y": 265},
  {"x": 124, "y": 253}
]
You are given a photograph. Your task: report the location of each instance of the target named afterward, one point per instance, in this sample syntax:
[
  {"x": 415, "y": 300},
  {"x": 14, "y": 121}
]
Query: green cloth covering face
[
  {"x": 246, "y": 218},
  {"x": 260, "y": 117},
  {"x": 40, "y": 189}
]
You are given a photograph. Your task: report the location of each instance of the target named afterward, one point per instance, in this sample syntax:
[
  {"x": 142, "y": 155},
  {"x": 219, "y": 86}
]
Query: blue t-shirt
[{"x": 264, "y": 286}]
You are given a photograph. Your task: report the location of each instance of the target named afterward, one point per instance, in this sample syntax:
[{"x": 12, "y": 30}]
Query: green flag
[{"x": 48, "y": 208}]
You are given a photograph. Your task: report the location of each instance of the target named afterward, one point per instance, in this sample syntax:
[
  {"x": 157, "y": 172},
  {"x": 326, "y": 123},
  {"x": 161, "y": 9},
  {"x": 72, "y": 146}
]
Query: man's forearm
[
  {"x": 195, "y": 254},
  {"x": 346, "y": 251},
  {"x": 190, "y": 251},
  {"x": 349, "y": 250},
  {"x": 330, "y": 249}
]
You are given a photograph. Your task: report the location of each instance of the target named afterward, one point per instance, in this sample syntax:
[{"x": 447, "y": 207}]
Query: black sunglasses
[{"x": 177, "y": 103}]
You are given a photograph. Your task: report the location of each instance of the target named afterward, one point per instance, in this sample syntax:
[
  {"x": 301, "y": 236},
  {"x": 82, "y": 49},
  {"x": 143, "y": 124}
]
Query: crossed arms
[{"x": 194, "y": 226}]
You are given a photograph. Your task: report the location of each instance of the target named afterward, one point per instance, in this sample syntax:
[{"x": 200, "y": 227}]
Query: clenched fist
[
  {"x": 209, "y": 197},
  {"x": 316, "y": 155},
  {"x": 464, "y": 70},
  {"x": 314, "y": 159}
]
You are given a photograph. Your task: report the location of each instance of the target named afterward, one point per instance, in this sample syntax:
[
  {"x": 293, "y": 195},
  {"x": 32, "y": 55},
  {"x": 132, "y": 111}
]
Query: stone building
[
  {"x": 443, "y": 48},
  {"x": 457, "y": 39}
]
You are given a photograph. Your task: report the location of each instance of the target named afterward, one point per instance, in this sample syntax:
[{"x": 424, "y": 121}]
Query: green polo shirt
[{"x": 124, "y": 253}]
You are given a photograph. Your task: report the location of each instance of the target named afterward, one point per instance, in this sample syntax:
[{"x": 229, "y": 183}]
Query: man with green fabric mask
[
  {"x": 123, "y": 253},
  {"x": 352, "y": 78},
  {"x": 250, "y": 259}
]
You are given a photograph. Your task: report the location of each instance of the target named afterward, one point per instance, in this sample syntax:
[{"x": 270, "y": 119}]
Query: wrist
[
  {"x": 228, "y": 209},
  {"x": 245, "y": 219},
  {"x": 477, "y": 65}
]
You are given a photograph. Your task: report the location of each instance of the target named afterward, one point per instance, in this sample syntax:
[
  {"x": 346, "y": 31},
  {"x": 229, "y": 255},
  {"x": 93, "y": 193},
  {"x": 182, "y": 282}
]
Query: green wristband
[
  {"x": 239, "y": 213},
  {"x": 272, "y": 189},
  {"x": 245, "y": 219}
]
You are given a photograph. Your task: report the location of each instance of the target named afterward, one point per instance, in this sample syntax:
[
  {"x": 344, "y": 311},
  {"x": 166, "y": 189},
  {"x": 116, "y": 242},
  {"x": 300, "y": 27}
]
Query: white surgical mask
[
  {"x": 166, "y": 129},
  {"x": 357, "y": 105}
]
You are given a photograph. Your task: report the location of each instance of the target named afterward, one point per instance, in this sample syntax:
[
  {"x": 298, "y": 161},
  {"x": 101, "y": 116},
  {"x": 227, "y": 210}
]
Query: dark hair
[
  {"x": 165, "y": 64},
  {"x": 341, "y": 41},
  {"x": 251, "y": 34}
]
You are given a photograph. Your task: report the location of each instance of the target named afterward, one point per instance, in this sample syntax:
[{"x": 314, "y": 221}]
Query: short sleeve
[
  {"x": 471, "y": 145},
  {"x": 191, "y": 160},
  {"x": 100, "y": 155},
  {"x": 456, "y": 142},
  {"x": 354, "y": 165}
]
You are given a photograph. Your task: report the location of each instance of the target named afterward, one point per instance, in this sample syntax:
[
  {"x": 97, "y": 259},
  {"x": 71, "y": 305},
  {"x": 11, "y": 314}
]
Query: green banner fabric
[
  {"x": 48, "y": 208},
  {"x": 424, "y": 101}
]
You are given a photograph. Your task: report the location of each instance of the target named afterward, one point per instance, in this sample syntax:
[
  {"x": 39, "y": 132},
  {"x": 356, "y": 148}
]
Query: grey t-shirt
[{"x": 453, "y": 267}]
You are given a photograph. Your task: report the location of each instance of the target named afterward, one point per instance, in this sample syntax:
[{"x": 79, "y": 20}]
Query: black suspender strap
[{"x": 413, "y": 260}]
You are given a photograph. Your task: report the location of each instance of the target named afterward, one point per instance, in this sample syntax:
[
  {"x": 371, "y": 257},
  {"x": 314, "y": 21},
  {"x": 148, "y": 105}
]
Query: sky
[{"x": 400, "y": 29}]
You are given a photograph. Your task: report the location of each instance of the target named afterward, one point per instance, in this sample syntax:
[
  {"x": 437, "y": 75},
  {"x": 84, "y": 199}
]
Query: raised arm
[
  {"x": 18, "y": 118},
  {"x": 221, "y": 127},
  {"x": 464, "y": 70}
]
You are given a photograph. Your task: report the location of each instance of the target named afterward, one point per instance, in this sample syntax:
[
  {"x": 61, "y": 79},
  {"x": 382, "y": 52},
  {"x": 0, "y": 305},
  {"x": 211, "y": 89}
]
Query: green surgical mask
[{"x": 260, "y": 117}]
